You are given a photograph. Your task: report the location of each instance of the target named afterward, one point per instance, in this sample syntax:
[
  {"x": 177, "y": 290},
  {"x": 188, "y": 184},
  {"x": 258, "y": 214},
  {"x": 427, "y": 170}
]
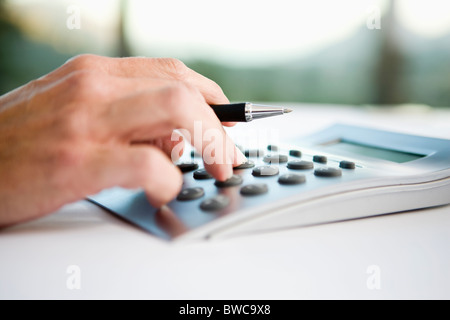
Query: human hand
[{"x": 99, "y": 122}]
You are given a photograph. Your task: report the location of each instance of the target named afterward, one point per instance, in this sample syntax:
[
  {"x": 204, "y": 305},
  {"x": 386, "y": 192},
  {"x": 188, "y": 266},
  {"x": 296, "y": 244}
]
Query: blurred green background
[{"x": 362, "y": 66}]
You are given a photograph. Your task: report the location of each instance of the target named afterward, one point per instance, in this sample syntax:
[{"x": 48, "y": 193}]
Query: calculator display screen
[{"x": 370, "y": 151}]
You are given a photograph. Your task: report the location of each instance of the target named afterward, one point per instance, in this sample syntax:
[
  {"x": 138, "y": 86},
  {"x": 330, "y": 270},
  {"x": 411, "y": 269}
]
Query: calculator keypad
[{"x": 297, "y": 170}]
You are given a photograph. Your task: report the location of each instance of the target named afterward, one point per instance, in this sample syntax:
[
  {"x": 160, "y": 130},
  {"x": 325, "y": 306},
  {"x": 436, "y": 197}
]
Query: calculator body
[{"x": 356, "y": 173}]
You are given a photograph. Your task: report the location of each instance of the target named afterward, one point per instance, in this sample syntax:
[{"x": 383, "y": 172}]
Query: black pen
[{"x": 246, "y": 111}]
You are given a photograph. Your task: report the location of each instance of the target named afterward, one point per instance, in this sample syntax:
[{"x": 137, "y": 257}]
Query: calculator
[{"x": 340, "y": 173}]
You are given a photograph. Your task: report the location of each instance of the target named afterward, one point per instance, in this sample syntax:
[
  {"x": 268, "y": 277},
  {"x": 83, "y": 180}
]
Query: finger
[
  {"x": 152, "y": 114},
  {"x": 172, "y": 146},
  {"x": 170, "y": 69},
  {"x": 132, "y": 167},
  {"x": 229, "y": 124}
]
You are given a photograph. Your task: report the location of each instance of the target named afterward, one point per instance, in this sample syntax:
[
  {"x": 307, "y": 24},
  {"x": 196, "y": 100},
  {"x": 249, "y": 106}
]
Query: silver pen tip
[{"x": 287, "y": 110}]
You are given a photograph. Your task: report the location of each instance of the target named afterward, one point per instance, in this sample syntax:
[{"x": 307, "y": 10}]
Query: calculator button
[
  {"x": 291, "y": 179},
  {"x": 253, "y": 153},
  {"x": 190, "y": 194},
  {"x": 328, "y": 172},
  {"x": 195, "y": 154},
  {"x": 275, "y": 158},
  {"x": 246, "y": 165},
  {"x": 254, "y": 189},
  {"x": 235, "y": 180},
  {"x": 320, "y": 159},
  {"x": 265, "y": 171},
  {"x": 300, "y": 165},
  {"x": 187, "y": 166},
  {"x": 347, "y": 165},
  {"x": 202, "y": 174},
  {"x": 295, "y": 153},
  {"x": 272, "y": 147},
  {"x": 215, "y": 203}
]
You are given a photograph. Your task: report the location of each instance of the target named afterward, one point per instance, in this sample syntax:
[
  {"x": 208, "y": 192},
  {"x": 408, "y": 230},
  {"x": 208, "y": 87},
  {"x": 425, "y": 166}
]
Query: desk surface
[{"x": 401, "y": 256}]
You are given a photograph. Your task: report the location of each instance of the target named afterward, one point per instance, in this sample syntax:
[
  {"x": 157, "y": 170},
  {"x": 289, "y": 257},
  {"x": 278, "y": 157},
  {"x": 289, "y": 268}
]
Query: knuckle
[
  {"x": 174, "y": 67},
  {"x": 83, "y": 62},
  {"x": 84, "y": 84},
  {"x": 73, "y": 119}
]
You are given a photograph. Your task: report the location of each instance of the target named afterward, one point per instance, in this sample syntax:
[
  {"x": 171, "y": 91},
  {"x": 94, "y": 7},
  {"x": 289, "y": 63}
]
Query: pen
[{"x": 246, "y": 111}]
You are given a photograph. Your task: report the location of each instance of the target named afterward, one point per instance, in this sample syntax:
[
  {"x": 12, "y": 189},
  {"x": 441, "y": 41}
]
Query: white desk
[{"x": 410, "y": 251}]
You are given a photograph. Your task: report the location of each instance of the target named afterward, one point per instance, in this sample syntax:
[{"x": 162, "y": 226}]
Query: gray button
[
  {"x": 246, "y": 165},
  {"x": 320, "y": 159},
  {"x": 265, "y": 171},
  {"x": 202, "y": 174},
  {"x": 328, "y": 172},
  {"x": 190, "y": 194},
  {"x": 235, "y": 180},
  {"x": 187, "y": 166},
  {"x": 347, "y": 165},
  {"x": 254, "y": 189},
  {"x": 254, "y": 153},
  {"x": 195, "y": 154},
  {"x": 215, "y": 203},
  {"x": 292, "y": 179},
  {"x": 295, "y": 153},
  {"x": 300, "y": 165},
  {"x": 275, "y": 158},
  {"x": 272, "y": 147}
]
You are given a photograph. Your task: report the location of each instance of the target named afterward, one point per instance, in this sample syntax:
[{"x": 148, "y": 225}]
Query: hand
[{"x": 99, "y": 122}]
